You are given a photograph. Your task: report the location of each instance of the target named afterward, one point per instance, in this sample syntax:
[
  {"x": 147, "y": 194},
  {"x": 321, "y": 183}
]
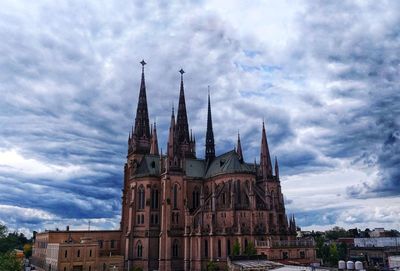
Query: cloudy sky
[{"x": 323, "y": 74}]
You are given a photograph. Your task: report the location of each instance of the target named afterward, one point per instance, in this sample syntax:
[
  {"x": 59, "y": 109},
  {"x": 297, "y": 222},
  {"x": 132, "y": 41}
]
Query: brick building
[{"x": 179, "y": 212}]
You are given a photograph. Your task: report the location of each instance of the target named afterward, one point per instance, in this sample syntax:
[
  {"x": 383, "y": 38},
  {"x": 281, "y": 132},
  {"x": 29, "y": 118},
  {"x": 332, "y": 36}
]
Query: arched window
[
  {"x": 196, "y": 197},
  {"x": 175, "y": 249},
  {"x": 66, "y": 254},
  {"x": 139, "y": 249},
  {"x": 154, "y": 198},
  {"x": 206, "y": 248},
  {"x": 228, "y": 247},
  {"x": 238, "y": 193},
  {"x": 79, "y": 253},
  {"x": 141, "y": 197},
  {"x": 175, "y": 205},
  {"x": 219, "y": 248}
]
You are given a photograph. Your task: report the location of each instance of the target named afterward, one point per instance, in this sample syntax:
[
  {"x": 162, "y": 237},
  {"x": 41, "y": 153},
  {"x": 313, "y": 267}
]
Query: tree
[
  {"x": 28, "y": 250},
  {"x": 250, "y": 250},
  {"x": 236, "y": 248},
  {"x": 211, "y": 266},
  {"x": 333, "y": 255},
  {"x": 10, "y": 262}
]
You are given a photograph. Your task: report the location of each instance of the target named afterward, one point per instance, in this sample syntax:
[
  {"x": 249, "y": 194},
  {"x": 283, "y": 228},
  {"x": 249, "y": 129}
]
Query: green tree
[
  {"x": 250, "y": 249},
  {"x": 236, "y": 248},
  {"x": 333, "y": 255},
  {"x": 342, "y": 251},
  {"x": 10, "y": 262},
  {"x": 28, "y": 250},
  {"x": 211, "y": 266}
]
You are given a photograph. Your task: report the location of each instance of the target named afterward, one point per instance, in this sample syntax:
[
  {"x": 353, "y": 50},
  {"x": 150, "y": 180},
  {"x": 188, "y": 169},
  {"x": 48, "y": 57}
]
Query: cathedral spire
[
  {"x": 182, "y": 121},
  {"x": 265, "y": 158},
  {"x": 154, "y": 141},
  {"x": 210, "y": 146},
  {"x": 239, "y": 148},
  {"x": 276, "y": 168},
  {"x": 141, "y": 133},
  {"x": 171, "y": 137}
]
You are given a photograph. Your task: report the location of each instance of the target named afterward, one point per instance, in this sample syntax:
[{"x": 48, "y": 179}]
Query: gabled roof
[
  {"x": 229, "y": 162},
  {"x": 195, "y": 168},
  {"x": 149, "y": 166}
]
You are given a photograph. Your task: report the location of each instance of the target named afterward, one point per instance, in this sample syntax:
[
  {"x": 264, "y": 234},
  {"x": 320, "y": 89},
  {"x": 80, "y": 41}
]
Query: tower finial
[
  {"x": 181, "y": 71},
  {"x": 143, "y": 63},
  {"x": 265, "y": 158}
]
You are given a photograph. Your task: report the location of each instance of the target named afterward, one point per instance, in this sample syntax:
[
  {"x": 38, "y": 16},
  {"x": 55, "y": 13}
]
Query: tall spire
[
  {"x": 210, "y": 146},
  {"x": 154, "y": 141},
  {"x": 171, "y": 137},
  {"x": 276, "y": 168},
  {"x": 265, "y": 158},
  {"x": 141, "y": 133},
  {"x": 182, "y": 121},
  {"x": 239, "y": 148}
]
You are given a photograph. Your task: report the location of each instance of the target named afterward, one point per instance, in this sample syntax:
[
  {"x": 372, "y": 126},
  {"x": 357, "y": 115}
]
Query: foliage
[
  {"x": 28, "y": 250},
  {"x": 11, "y": 240},
  {"x": 333, "y": 255},
  {"x": 250, "y": 249},
  {"x": 211, "y": 266},
  {"x": 236, "y": 248},
  {"x": 10, "y": 262}
]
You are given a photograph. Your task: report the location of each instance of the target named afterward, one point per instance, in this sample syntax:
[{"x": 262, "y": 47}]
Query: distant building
[
  {"x": 180, "y": 212},
  {"x": 375, "y": 251},
  {"x": 77, "y": 251}
]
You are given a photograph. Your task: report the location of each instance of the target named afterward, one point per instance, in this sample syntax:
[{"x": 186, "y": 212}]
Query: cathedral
[{"x": 180, "y": 212}]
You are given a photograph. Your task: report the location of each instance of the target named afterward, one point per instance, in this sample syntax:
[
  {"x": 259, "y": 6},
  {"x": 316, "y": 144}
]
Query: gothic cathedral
[{"x": 180, "y": 212}]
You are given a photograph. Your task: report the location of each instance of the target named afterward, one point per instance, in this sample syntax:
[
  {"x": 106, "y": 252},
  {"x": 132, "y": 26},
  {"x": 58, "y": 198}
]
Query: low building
[
  {"x": 77, "y": 251},
  {"x": 394, "y": 262},
  {"x": 374, "y": 252}
]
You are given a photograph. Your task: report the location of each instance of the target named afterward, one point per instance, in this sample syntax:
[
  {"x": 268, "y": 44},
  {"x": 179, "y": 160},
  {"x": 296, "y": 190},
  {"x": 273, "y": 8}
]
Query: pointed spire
[
  {"x": 154, "y": 141},
  {"x": 171, "y": 137},
  {"x": 182, "y": 121},
  {"x": 239, "y": 148},
  {"x": 142, "y": 128},
  {"x": 276, "y": 168},
  {"x": 265, "y": 158},
  {"x": 210, "y": 146}
]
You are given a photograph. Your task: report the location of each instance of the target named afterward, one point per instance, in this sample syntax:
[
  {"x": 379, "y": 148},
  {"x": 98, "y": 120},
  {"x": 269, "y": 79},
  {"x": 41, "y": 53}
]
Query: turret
[
  {"x": 210, "y": 146},
  {"x": 239, "y": 148},
  {"x": 265, "y": 158},
  {"x": 154, "y": 141}
]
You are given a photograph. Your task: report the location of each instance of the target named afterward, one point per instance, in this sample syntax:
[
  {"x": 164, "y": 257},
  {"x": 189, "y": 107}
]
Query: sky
[{"x": 323, "y": 75}]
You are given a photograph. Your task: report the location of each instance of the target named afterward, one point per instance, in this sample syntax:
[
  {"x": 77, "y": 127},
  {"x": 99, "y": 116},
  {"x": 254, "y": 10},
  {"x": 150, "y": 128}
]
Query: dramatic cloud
[{"x": 322, "y": 75}]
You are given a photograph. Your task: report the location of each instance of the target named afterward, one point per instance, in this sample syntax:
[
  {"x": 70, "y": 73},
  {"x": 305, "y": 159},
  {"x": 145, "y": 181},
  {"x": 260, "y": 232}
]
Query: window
[
  {"x": 104, "y": 267},
  {"x": 154, "y": 198},
  {"x": 79, "y": 253},
  {"x": 206, "y": 248},
  {"x": 285, "y": 255},
  {"x": 219, "y": 248},
  {"x": 175, "y": 205},
  {"x": 138, "y": 219},
  {"x": 142, "y": 219},
  {"x": 228, "y": 247},
  {"x": 195, "y": 198},
  {"x": 112, "y": 243},
  {"x": 90, "y": 253},
  {"x": 101, "y": 243},
  {"x": 175, "y": 249},
  {"x": 90, "y": 268},
  {"x": 65, "y": 269},
  {"x": 139, "y": 250},
  {"x": 66, "y": 254},
  {"x": 302, "y": 254},
  {"x": 224, "y": 198},
  {"x": 141, "y": 197}
]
